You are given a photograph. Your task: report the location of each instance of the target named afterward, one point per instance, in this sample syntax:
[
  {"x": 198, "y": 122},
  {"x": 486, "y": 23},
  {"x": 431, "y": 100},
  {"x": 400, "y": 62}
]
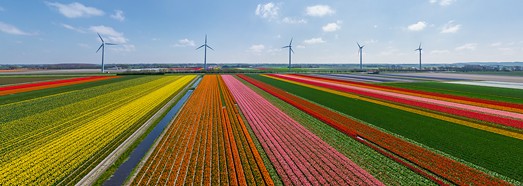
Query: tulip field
[
  {"x": 267, "y": 129},
  {"x": 58, "y": 138}
]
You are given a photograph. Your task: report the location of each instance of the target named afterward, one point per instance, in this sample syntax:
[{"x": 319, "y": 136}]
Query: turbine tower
[
  {"x": 290, "y": 54},
  {"x": 419, "y": 49},
  {"x": 360, "y": 51},
  {"x": 102, "y": 46},
  {"x": 205, "y": 46}
]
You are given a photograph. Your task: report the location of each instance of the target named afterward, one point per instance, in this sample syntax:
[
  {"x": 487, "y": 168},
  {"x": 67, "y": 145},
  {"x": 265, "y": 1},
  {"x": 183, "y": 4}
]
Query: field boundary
[{"x": 96, "y": 172}]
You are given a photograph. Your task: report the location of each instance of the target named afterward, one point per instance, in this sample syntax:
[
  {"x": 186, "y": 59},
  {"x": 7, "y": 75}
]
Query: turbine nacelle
[
  {"x": 360, "y": 46},
  {"x": 419, "y": 48},
  {"x": 289, "y": 46}
]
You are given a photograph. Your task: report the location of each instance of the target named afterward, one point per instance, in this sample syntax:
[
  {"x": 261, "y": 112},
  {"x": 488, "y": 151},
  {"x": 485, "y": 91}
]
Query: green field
[
  {"x": 7, "y": 80},
  {"x": 494, "y": 152},
  {"x": 490, "y": 93}
]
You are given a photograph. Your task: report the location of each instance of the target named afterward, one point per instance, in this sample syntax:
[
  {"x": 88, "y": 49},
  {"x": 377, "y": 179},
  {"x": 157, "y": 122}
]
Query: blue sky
[{"x": 168, "y": 31}]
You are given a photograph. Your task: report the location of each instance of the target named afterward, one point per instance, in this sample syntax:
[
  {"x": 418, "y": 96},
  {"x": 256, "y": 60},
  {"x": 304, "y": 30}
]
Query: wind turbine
[
  {"x": 290, "y": 50},
  {"x": 419, "y": 49},
  {"x": 360, "y": 51},
  {"x": 205, "y": 46},
  {"x": 102, "y": 46}
]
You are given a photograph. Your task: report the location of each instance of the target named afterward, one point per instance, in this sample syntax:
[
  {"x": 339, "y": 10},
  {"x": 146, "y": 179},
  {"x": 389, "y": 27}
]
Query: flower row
[
  {"x": 444, "y": 167},
  {"x": 13, "y": 89},
  {"x": 300, "y": 157},
  {"x": 206, "y": 144},
  {"x": 64, "y": 152}
]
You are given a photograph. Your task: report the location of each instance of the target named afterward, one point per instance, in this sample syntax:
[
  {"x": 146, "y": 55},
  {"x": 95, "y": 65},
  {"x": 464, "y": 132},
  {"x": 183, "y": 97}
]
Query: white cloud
[
  {"x": 496, "y": 44},
  {"x": 319, "y": 10},
  {"x": 442, "y": 2},
  {"x": 468, "y": 46},
  {"x": 75, "y": 10},
  {"x": 375, "y": 26},
  {"x": 267, "y": 11},
  {"x": 109, "y": 34},
  {"x": 10, "y": 29},
  {"x": 506, "y": 49},
  {"x": 312, "y": 41},
  {"x": 439, "y": 52},
  {"x": 331, "y": 27},
  {"x": 290, "y": 20},
  {"x": 300, "y": 46},
  {"x": 118, "y": 15},
  {"x": 257, "y": 48},
  {"x": 185, "y": 43},
  {"x": 73, "y": 28},
  {"x": 450, "y": 27},
  {"x": 419, "y": 26}
]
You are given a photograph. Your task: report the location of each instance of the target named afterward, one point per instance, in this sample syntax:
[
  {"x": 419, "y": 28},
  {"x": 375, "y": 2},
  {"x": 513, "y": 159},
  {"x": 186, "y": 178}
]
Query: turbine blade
[
  {"x": 285, "y": 47},
  {"x": 100, "y": 37},
  {"x": 290, "y": 44},
  {"x": 362, "y": 46},
  {"x": 419, "y": 46},
  {"x": 205, "y": 38},
  {"x": 102, "y": 45},
  {"x": 209, "y": 47},
  {"x": 358, "y": 44},
  {"x": 110, "y": 44},
  {"x": 291, "y": 50},
  {"x": 200, "y": 47}
]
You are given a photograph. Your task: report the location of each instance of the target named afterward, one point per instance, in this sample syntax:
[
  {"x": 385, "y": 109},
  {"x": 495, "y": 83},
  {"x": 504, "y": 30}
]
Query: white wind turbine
[
  {"x": 102, "y": 46},
  {"x": 290, "y": 54}
]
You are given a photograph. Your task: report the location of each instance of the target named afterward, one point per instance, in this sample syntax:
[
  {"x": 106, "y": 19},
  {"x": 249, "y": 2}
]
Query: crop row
[
  {"x": 442, "y": 166},
  {"x": 61, "y": 153},
  {"x": 513, "y": 107},
  {"x": 482, "y": 149},
  {"x": 207, "y": 143},
  {"x": 478, "y": 113},
  {"x": 300, "y": 157},
  {"x": 381, "y": 167},
  {"x": 13, "y": 89},
  {"x": 46, "y": 120},
  {"x": 479, "y": 92}
]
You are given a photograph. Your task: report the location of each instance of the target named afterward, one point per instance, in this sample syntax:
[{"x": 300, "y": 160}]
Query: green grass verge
[
  {"x": 482, "y": 92},
  {"x": 494, "y": 152},
  {"x": 381, "y": 167}
]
